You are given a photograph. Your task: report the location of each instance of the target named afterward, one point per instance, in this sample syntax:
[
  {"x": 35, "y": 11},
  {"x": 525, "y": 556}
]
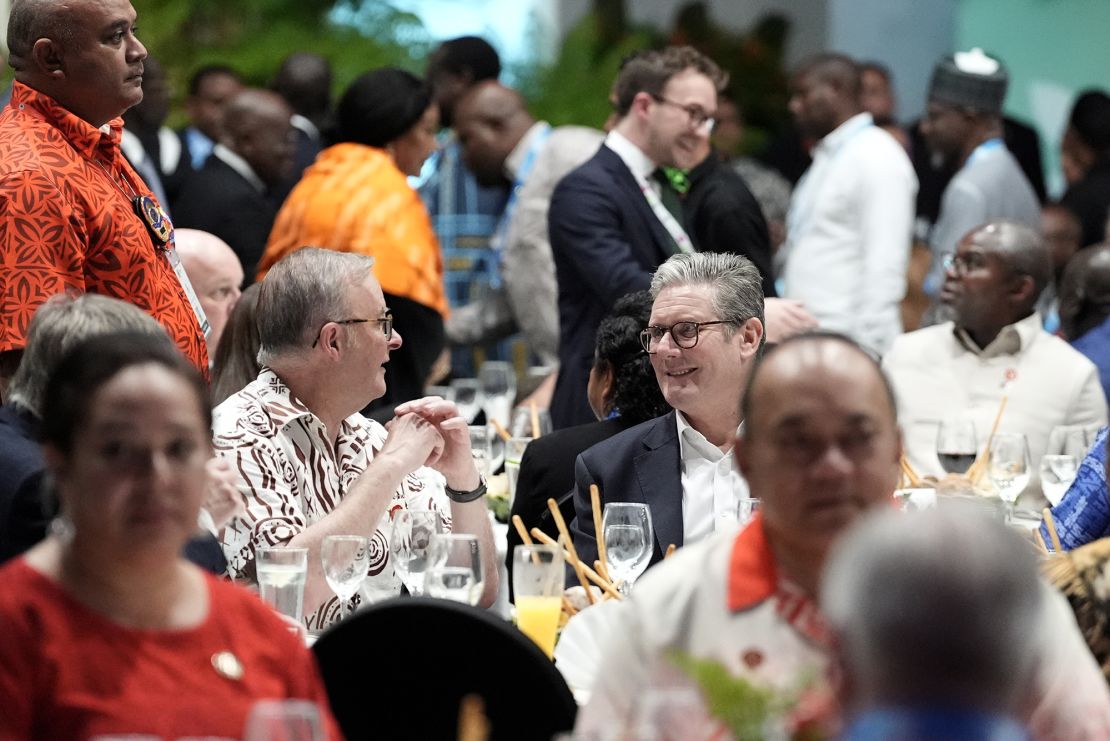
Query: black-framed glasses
[
  {"x": 684, "y": 334},
  {"x": 696, "y": 114},
  {"x": 386, "y": 323}
]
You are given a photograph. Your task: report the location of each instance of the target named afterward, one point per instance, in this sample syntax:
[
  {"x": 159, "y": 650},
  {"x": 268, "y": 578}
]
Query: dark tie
[{"x": 668, "y": 195}]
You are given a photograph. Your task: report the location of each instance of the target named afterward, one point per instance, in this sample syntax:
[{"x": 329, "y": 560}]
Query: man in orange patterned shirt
[{"x": 74, "y": 216}]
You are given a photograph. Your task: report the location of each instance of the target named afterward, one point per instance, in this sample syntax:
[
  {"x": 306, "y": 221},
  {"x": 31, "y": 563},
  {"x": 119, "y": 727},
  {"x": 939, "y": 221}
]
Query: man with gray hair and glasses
[
  {"x": 706, "y": 328},
  {"x": 312, "y": 465}
]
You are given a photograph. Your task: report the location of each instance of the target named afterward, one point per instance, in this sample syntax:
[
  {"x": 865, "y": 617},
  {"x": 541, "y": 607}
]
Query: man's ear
[
  {"x": 751, "y": 335},
  {"x": 1023, "y": 289},
  {"x": 48, "y": 56}
]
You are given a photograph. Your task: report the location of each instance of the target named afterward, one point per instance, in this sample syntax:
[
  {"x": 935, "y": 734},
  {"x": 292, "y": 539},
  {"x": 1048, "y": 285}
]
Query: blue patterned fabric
[
  {"x": 906, "y": 724},
  {"x": 1095, "y": 345},
  {"x": 1083, "y": 514}
]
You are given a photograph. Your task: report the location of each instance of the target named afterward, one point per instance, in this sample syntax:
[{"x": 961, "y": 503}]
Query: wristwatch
[{"x": 462, "y": 497}]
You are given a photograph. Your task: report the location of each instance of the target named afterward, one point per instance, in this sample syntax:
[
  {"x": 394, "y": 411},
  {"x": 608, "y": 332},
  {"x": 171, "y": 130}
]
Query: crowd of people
[{"x": 219, "y": 339}]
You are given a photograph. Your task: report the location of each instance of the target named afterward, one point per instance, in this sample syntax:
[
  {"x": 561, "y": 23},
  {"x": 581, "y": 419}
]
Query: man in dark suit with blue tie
[
  {"x": 705, "y": 330},
  {"x": 613, "y": 220}
]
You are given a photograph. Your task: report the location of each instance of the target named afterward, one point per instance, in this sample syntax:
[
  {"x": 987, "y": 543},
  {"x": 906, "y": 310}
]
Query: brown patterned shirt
[
  {"x": 293, "y": 477},
  {"x": 67, "y": 223}
]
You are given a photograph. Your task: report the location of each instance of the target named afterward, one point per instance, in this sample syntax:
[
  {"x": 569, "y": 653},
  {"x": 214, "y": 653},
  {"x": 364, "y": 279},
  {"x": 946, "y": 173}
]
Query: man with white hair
[{"x": 216, "y": 275}]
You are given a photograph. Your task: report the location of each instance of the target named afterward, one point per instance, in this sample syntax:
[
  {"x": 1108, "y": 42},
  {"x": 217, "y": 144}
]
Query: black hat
[
  {"x": 970, "y": 79},
  {"x": 1090, "y": 119},
  {"x": 380, "y": 106}
]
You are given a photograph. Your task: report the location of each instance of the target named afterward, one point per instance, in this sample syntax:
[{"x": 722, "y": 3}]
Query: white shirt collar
[
  {"x": 693, "y": 444},
  {"x": 516, "y": 157},
  {"x": 845, "y": 131},
  {"x": 300, "y": 122},
  {"x": 237, "y": 163},
  {"x": 1011, "y": 340},
  {"x": 632, "y": 156}
]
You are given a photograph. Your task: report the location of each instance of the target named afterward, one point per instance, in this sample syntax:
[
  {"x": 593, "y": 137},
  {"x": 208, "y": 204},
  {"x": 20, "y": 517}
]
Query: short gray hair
[
  {"x": 31, "y": 20},
  {"x": 935, "y": 607},
  {"x": 300, "y": 293},
  {"x": 62, "y": 322},
  {"x": 1021, "y": 248},
  {"x": 737, "y": 284}
]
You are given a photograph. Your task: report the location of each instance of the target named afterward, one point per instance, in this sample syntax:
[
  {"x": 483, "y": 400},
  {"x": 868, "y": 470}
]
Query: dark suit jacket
[
  {"x": 640, "y": 464},
  {"x": 606, "y": 242},
  {"x": 219, "y": 200},
  {"x": 547, "y": 472}
]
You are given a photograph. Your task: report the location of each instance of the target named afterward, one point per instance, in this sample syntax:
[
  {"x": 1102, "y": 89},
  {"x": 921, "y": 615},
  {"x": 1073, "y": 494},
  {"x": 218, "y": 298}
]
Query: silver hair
[
  {"x": 935, "y": 607},
  {"x": 302, "y": 292},
  {"x": 738, "y": 287},
  {"x": 59, "y": 324}
]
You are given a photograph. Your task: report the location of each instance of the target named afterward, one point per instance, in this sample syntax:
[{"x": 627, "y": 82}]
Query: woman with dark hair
[
  {"x": 356, "y": 198},
  {"x": 236, "y": 361},
  {"x": 107, "y": 631}
]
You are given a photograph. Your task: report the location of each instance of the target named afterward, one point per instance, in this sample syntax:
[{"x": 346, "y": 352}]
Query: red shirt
[
  {"x": 67, "y": 223},
  {"x": 67, "y": 672}
]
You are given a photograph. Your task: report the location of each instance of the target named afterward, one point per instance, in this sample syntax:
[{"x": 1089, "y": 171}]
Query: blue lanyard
[
  {"x": 984, "y": 148},
  {"x": 497, "y": 241}
]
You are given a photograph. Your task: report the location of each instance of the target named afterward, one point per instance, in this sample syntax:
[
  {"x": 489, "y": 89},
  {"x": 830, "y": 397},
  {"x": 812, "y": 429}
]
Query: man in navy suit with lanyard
[{"x": 613, "y": 220}]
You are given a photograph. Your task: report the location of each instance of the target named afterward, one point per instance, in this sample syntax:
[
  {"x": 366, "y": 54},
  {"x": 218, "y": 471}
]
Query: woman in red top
[{"x": 104, "y": 628}]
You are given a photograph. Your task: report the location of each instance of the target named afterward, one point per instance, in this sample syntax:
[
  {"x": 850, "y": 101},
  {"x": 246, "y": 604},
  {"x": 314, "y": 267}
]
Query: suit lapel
[
  {"x": 659, "y": 473},
  {"x": 662, "y": 241}
]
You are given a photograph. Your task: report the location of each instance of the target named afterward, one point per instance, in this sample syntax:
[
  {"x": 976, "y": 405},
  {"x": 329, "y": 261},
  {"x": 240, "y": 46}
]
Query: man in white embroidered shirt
[
  {"x": 706, "y": 327},
  {"x": 312, "y": 465},
  {"x": 851, "y": 217},
  {"x": 994, "y": 349}
]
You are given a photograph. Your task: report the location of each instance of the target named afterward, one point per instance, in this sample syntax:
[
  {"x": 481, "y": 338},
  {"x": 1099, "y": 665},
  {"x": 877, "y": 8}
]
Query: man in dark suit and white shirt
[
  {"x": 705, "y": 330},
  {"x": 611, "y": 220}
]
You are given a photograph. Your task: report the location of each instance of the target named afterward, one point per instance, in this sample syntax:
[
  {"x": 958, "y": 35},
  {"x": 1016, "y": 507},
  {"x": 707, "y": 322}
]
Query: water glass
[
  {"x": 522, "y": 423},
  {"x": 1071, "y": 440},
  {"x": 957, "y": 444},
  {"x": 1009, "y": 467},
  {"x": 514, "y": 451},
  {"x": 1057, "y": 473},
  {"x": 538, "y": 576},
  {"x": 497, "y": 380},
  {"x": 455, "y": 568},
  {"x": 444, "y": 392},
  {"x": 746, "y": 507},
  {"x": 281, "y": 575},
  {"x": 496, "y": 450},
  {"x": 284, "y": 720},
  {"x": 346, "y": 559},
  {"x": 480, "y": 448},
  {"x": 468, "y": 397},
  {"x": 629, "y": 541},
  {"x": 409, "y": 541}
]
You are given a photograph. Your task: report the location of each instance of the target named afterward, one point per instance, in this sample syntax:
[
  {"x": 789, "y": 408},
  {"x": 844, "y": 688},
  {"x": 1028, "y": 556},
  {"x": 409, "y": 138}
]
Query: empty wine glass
[
  {"x": 498, "y": 383},
  {"x": 455, "y": 568},
  {"x": 444, "y": 392},
  {"x": 1009, "y": 468},
  {"x": 629, "y": 541},
  {"x": 480, "y": 448},
  {"x": 522, "y": 423},
  {"x": 957, "y": 445},
  {"x": 1057, "y": 473},
  {"x": 496, "y": 450},
  {"x": 284, "y": 720},
  {"x": 409, "y": 541},
  {"x": 468, "y": 397},
  {"x": 346, "y": 559}
]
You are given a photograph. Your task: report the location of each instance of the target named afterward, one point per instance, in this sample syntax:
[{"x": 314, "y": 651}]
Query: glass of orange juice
[{"x": 538, "y": 585}]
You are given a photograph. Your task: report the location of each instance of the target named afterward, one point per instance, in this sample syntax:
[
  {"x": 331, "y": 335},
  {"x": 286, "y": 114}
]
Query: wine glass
[
  {"x": 629, "y": 541},
  {"x": 346, "y": 559},
  {"x": 1009, "y": 468},
  {"x": 746, "y": 507},
  {"x": 521, "y": 425},
  {"x": 514, "y": 453},
  {"x": 468, "y": 397},
  {"x": 284, "y": 720},
  {"x": 480, "y": 448},
  {"x": 455, "y": 568},
  {"x": 957, "y": 444},
  {"x": 444, "y": 392},
  {"x": 409, "y": 541},
  {"x": 498, "y": 383},
  {"x": 496, "y": 450},
  {"x": 1057, "y": 473}
]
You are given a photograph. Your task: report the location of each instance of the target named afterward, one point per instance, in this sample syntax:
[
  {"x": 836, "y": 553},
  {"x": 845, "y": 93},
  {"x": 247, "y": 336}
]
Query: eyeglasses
[
  {"x": 962, "y": 264},
  {"x": 684, "y": 334},
  {"x": 697, "y": 116},
  {"x": 386, "y": 323}
]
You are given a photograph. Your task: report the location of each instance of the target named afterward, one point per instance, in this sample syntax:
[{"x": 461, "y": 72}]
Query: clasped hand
[{"x": 431, "y": 431}]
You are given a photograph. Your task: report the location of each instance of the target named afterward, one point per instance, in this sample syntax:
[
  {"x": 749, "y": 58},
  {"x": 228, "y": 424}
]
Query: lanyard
[
  {"x": 500, "y": 235},
  {"x": 983, "y": 149}
]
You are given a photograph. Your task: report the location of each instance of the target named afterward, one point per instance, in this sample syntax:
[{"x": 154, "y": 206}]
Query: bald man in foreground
[
  {"x": 502, "y": 144},
  {"x": 216, "y": 275},
  {"x": 237, "y": 193},
  {"x": 820, "y": 448}
]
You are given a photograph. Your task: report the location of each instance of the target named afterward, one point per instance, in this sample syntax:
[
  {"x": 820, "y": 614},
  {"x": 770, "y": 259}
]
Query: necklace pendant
[
  {"x": 156, "y": 220},
  {"x": 227, "y": 665}
]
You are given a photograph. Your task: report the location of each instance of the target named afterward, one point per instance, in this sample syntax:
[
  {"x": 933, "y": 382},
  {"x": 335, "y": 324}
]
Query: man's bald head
[
  {"x": 256, "y": 126},
  {"x": 490, "y": 120},
  {"x": 216, "y": 274},
  {"x": 1085, "y": 291},
  {"x": 304, "y": 80},
  {"x": 825, "y": 92}
]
